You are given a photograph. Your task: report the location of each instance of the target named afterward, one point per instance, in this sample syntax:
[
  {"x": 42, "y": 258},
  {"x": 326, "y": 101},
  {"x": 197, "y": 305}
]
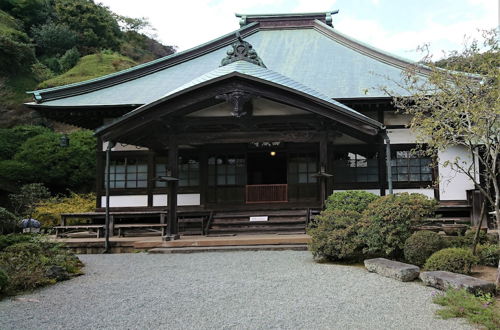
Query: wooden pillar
[
  {"x": 382, "y": 168},
  {"x": 173, "y": 167},
  {"x": 203, "y": 184},
  {"x": 323, "y": 165},
  {"x": 99, "y": 172},
  {"x": 151, "y": 174}
]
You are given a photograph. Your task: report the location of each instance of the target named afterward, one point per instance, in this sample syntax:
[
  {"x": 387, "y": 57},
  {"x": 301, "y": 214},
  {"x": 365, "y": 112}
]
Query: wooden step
[
  {"x": 260, "y": 213},
  {"x": 253, "y": 228},
  {"x": 258, "y": 223}
]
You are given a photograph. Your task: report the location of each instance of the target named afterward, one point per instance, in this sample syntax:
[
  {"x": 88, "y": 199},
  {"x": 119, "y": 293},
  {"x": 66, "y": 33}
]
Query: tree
[
  {"x": 28, "y": 198},
  {"x": 53, "y": 38},
  {"x": 61, "y": 168},
  {"x": 94, "y": 23},
  {"x": 450, "y": 108}
]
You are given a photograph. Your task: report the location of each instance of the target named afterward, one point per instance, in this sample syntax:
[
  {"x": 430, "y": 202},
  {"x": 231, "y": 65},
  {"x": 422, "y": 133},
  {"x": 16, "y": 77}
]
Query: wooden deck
[{"x": 131, "y": 244}]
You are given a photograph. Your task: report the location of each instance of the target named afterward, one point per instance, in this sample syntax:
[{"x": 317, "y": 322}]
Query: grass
[
  {"x": 90, "y": 67},
  {"x": 477, "y": 309}
]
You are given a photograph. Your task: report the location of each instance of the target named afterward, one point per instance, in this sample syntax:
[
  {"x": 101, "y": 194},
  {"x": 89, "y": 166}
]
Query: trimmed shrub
[
  {"x": 421, "y": 245},
  {"x": 351, "y": 200},
  {"x": 489, "y": 254},
  {"x": 467, "y": 240},
  {"x": 388, "y": 222},
  {"x": 4, "y": 280},
  {"x": 49, "y": 211},
  {"x": 335, "y": 236},
  {"x": 456, "y": 260}
]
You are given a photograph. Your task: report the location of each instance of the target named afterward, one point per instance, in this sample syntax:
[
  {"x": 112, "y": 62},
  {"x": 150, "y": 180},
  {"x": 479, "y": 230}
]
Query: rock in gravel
[
  {"x": 57, "y": 272},
  {"x": 443, "y": 280},
  {"x": 393, "y": 269}
]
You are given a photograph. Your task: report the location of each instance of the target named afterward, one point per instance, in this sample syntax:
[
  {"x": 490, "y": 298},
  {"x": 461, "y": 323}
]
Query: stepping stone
[
  {"x": 393, "y": 269},
  {"x": 443, "y": 280}
]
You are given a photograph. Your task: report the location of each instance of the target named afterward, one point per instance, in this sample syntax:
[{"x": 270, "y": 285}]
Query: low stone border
[
  {"x": 443, "y": 280},
  {"x": 393, "y": 269}
]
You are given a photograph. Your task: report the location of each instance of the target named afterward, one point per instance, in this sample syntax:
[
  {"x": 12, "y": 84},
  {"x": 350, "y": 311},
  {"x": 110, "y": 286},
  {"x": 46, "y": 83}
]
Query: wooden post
[
  {"x": 382, "y": 168},
  {"x": 173, "y": 166},
  {"x": 323, "y": 165},
  {"x": 108, "y": 179}
]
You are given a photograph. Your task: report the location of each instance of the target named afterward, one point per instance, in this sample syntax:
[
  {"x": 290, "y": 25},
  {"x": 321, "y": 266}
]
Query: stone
[
  {"x": 443, "y": 280},
  {"x": 393, "y": 269},
  {"x": 57, "y": 272}
]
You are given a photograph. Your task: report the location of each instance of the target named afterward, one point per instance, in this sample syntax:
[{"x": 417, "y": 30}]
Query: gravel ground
[{"x": 231, "y": 290}]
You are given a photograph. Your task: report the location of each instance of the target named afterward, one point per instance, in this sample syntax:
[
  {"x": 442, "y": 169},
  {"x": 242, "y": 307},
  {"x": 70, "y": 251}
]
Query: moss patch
[{"x": 90, "y": 67}]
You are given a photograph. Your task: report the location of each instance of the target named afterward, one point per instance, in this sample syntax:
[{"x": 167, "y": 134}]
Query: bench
[
  {"x": 122, "y": 227},
  {"x": 114, "y": 215},
  {"x": 393, "y": 269},
  {"x": 60, "y": 230}
]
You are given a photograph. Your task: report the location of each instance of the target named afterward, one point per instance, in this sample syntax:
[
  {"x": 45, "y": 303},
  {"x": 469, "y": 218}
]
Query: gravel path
[{"x": 231, "y": 290}]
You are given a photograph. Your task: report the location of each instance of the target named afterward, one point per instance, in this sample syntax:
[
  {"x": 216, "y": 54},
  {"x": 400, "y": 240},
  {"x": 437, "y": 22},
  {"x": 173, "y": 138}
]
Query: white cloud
[
  {"x": 188, "y": 23},
  {"x": 404, "y": 43}
]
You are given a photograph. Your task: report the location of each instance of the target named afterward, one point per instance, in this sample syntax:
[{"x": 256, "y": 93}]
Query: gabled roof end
[{"x": 288, "y": 19}]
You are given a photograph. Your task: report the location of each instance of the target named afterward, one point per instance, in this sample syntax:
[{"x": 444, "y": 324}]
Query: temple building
[{"x": 275, "y": 115}]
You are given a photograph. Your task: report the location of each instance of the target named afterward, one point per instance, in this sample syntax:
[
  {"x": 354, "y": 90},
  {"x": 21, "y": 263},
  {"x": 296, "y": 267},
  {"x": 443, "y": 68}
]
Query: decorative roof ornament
[{"x": 241, "y": 50}]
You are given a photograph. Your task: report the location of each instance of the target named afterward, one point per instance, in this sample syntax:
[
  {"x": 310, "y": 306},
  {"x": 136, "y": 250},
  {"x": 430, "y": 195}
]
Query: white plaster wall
[
  {"x": 142, "y": 200},
  {"x": 392, "y": 118},
  {"x": 401, "y": 135},
  {"x": 373, "y": 191},
  {"x": 182, "y": 199},
  {"x": 125, "y": 201},
  {"x": 453, "y": 185}
]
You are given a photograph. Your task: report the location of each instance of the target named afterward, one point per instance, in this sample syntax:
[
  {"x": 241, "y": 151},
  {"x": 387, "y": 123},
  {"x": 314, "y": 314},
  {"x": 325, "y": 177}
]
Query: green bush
[
  {"x": 8, "y": 221},
  {"x": 467, "y": 240},
  {"x": 489, "y": 254},
  {"x": 388, "y": 222},
  {"x": 11, "y": 239},
  {"x": 34, "y": 263},
  {"x": 351, "y": 200},
  {"x": 48, "y": 212},
  {"x": 456, "y": 260},
  {"x": 421, "y": 245},
  {"x": 335, "y": 236},
  {"x": 41, "y": 72},
  {"x": 4, "y": 280},
  {"x": 69, "y": 59}
]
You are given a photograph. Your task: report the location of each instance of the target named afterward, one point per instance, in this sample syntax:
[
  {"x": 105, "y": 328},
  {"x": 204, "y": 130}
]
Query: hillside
[
  {"x": 89, "y": 67},
  {"x": 52, "y": 43}
]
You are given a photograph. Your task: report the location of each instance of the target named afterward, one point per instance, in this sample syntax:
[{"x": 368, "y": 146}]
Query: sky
[{"x": 395, "y": 26}]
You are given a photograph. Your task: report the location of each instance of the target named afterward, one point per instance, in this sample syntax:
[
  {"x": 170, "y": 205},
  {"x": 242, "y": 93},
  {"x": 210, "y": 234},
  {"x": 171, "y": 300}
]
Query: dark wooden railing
[{"x": 266, "y": 193}]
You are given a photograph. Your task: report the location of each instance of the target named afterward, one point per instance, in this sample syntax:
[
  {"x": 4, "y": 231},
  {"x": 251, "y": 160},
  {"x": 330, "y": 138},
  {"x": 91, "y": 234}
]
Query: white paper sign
[{"x": 265, "y": 218}]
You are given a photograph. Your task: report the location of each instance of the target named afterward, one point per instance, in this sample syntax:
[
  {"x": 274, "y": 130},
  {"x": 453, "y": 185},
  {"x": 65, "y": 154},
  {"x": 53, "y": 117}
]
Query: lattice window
[
  {"x": 128, "y": 173},
  {"x": 408, "y": 166},
  {"x": 356, "y": 166},
  {"x": 301, "y": 168},
  {"x": 226, "y": 170}
]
